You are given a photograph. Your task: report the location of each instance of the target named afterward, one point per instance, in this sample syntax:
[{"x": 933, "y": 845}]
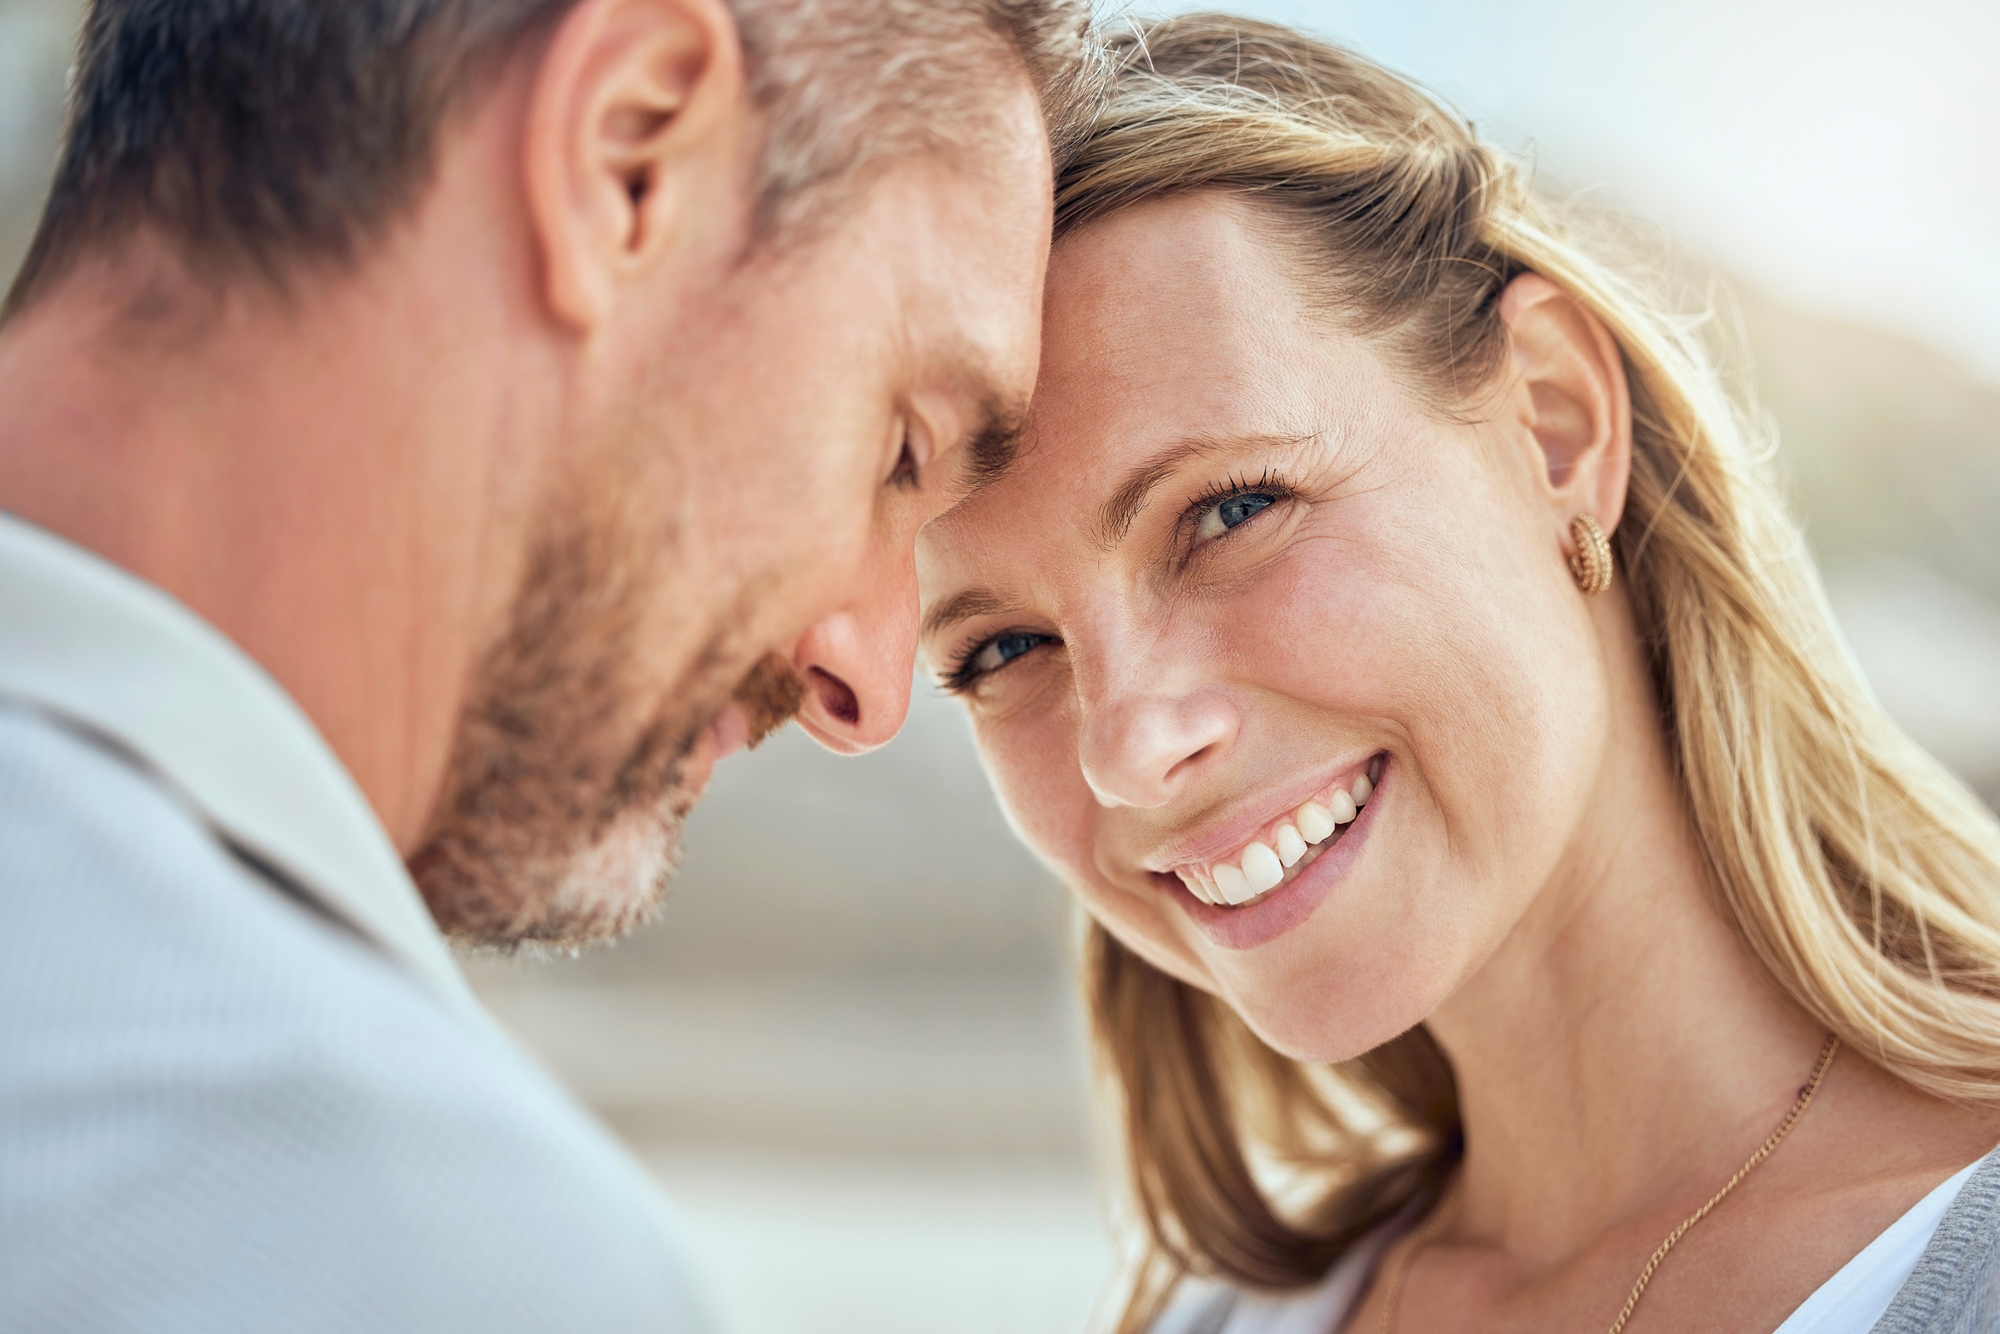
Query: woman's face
[{"x": 1238, "y": 567}]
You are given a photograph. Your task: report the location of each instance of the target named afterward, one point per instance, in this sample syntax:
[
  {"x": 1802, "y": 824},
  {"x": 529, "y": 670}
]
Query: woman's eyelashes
[
  {"x": 981, "y": 659},
  {"x": 1224, "y": 508},
  {"x": 1212, "y": 515}
]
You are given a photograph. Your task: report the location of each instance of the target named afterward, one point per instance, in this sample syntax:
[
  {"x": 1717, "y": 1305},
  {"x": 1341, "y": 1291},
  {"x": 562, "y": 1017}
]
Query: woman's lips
[
  {"x": 1259, "y": 860},
  {"x": 1274, "y": 911}
]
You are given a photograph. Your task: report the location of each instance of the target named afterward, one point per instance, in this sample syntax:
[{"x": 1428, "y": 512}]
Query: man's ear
[
  {"x": 638, "y": 123},
  {"x": 1571, "y": 397}
]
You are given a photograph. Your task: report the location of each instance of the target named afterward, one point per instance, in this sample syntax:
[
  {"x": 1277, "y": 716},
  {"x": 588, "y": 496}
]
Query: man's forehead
[
  {"x": 973, "y": 266},
  {"x": 974, "y": 248}
]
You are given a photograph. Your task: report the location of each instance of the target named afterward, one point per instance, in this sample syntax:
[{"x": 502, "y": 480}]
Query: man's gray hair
[
  {"x": 251, "y": 134},
  {"x": 849, "y": 84}
]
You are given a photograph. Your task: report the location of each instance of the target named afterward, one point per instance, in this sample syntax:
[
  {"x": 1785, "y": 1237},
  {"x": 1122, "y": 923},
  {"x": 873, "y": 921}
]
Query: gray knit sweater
[{"x": 1955, "y": 1288}]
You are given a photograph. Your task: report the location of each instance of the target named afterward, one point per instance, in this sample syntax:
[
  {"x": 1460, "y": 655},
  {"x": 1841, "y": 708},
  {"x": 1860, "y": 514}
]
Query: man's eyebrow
[
  {"x": 1115, "y": 516},
  {"x": 963, "y": 606},
  {"x": 992, "y": 447}
]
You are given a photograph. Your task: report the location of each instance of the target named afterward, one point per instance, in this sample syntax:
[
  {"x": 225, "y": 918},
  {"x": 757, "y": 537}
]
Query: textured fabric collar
[{"x": 109, "y": 655}]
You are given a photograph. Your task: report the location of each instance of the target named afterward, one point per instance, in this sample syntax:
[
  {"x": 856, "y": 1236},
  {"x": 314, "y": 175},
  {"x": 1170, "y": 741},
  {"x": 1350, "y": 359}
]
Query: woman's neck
[{"x": 1622, "y": 1040}]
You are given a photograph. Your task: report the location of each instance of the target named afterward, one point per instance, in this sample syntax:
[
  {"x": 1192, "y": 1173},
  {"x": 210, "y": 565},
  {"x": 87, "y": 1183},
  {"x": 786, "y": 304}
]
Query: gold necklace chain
[{"x": 1399, "y": 1268}]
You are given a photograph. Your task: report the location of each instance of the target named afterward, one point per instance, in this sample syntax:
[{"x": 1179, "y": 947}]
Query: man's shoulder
[
  {"x": 199, "y": 1074},
  {"x": 138, "y": 932}
]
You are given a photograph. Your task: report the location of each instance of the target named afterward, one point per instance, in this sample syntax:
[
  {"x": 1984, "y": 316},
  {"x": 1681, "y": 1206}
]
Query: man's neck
[{"x": 275, "y": 463}]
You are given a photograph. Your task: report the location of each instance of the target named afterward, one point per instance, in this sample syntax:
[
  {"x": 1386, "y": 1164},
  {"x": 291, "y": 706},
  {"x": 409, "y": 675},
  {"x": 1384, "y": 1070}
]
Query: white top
[
  {"x": 1854, "y": 1299},
  {"x": 1848, "y": 1303}
]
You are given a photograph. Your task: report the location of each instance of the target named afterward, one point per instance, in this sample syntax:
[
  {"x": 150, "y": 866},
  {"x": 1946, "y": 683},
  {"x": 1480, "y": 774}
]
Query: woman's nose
[
  {"x": 856, "y": 667},
  {"x": 1143, "y": 746}
]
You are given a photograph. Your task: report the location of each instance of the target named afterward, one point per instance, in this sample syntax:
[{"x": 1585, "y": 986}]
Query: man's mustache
[{"x": 770, "y": 695}]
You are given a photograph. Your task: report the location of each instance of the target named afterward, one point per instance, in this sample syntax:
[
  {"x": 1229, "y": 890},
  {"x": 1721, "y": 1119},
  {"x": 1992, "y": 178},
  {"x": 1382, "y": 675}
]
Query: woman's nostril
[{"x": 835, "y": 696}]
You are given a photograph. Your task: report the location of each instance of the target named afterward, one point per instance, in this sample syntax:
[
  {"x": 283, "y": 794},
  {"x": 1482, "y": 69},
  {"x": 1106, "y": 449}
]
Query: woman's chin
[{"x": 1323, "y": 1021}]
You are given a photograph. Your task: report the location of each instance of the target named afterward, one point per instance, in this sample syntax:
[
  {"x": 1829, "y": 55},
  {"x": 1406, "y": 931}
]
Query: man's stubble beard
[{"x": 561, "y": 817}]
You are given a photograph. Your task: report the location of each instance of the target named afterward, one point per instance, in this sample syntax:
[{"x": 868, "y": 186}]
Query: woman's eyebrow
[
  {"x": 963, "y": 606},
  {"x": 1116, "y": 515}
]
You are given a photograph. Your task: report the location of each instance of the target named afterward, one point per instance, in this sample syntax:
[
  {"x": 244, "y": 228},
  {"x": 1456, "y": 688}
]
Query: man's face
[{"x": 759, "y": 454}]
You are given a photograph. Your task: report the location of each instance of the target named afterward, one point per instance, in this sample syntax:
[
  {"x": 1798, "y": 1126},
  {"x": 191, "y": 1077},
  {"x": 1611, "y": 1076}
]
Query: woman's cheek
[
  {"x": 1032, "y": 757},
  {"x": 1040, "y": 782}
]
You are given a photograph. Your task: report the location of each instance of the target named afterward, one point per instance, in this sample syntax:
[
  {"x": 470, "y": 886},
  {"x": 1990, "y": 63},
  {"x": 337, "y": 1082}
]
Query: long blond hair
[{"x": 1863, "y": 875}]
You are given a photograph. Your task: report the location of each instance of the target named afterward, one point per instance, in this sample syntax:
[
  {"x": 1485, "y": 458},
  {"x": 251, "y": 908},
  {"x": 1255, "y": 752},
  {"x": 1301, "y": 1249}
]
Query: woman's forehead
[
  {"x": 1169, "y": 325},
  {"x": 1170, "y": 320},
  {"x": 1185, "y": 283}
]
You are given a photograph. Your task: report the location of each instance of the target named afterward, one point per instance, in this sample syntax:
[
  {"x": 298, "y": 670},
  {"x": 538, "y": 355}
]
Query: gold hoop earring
[{"x": 1591, "y": 565}]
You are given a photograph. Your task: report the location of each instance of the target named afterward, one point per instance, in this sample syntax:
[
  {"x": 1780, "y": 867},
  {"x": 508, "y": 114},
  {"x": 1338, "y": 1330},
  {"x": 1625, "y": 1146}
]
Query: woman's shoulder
[
  {"x": 1955, "y": 1287},
  {"x": 1201, "y": 1307}
]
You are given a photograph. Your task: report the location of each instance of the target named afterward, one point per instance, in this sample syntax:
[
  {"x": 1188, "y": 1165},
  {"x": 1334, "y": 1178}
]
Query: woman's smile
[{"x": 1276, "y": 880}]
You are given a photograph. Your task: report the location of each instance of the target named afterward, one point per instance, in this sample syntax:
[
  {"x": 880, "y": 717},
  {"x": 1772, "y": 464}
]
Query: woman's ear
[
  {"x": 639, "y": 120},
  {"x": 1570, "y": 399}
]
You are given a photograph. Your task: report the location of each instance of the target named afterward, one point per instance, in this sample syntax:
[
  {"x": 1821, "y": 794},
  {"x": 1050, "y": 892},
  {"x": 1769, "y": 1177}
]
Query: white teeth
[
  {"x": 1315, "y": 822},
  {"x": 1234, "y": 887},
  {"x": 1290, "y": 846},
  {"x": 1262, "y": 868}
]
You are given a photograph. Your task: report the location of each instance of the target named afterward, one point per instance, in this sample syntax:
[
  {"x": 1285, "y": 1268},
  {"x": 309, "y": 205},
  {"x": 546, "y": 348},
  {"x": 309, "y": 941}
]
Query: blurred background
[{"x": 848, "y": 1047}]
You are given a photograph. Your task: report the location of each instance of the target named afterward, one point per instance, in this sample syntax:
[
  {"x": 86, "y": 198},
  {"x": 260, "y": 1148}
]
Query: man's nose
[
  {"x": 1146, "y": 739},
  {"x": 856, "y": 665}
]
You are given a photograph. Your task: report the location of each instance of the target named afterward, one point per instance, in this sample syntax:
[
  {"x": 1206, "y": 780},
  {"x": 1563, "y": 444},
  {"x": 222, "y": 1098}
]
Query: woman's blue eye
[
  {"x": 1220, "y": 517},
  {"x": 998, "y": 652}
]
